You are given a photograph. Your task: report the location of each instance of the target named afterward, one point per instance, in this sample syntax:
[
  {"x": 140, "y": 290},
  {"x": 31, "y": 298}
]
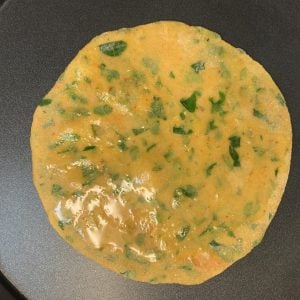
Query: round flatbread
[{"x": 162, "y": 152}]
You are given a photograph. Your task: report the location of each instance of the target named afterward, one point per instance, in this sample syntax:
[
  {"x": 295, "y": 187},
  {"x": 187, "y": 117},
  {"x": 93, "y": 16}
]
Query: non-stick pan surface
[{"x": 38, "y": 38}]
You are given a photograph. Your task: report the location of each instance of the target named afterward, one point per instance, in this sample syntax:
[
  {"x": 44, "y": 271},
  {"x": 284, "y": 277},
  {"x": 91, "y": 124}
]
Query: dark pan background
[{"x": 38, "y": 38}]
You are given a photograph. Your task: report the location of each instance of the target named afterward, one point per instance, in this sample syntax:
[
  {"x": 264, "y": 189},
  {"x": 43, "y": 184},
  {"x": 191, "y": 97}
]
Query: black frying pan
[{"x": 37, "y": 40}]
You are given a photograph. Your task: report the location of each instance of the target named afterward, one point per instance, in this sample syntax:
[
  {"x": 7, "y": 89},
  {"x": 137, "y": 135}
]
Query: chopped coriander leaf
[
  {"x": 168, "y": 155},
  {"x": 188, "y": 191},
  {"x": 69, "y": 149},
  {"x": 88, "y": 148},
  {"x": 137, "y": 131},
  {"x": 87, "y": 79},
  {"x": 134, "y": 152},
  {"x": 157, "y": 109},
  {"x": 103, "y": 110},
  {"x": 217, "y": 106},
  {"x": 172, "y": 75},
  {"x": 251, "y": 208},
  {"x": 122, "y": 144},
  {"x": 211, "y": 126},
  {"x": 182, "y": 115},
  {"x": 61, "y": 223},
  {"x": 214, "y": 244},
  {"x": 131, "y": 255},
  {"x": 183, "y": 232},
  {"x": 45, "y": 102},
  {"x": 190, "y": 102},
  {"x": 210, "y": 168},
  {"x": 137, "y": 78},
  {"x": 227, "y": 229},
  {"x": 128, "y": 274},
  {"x": 158, "y": 83},
  {"x": 225, "y": 73},
  {"x": 186, "y": 267},
  {"x": 108, "y": 73},
  {"x": 65, "y": 137},
  {"x": 208, "y": 229},
  {"x": 155, "y": 128},
  {"x": 235, "y": 156},
  {"x": 150, "y": 147},
  {"x": 151, "y": 65},
  {"x": 90, "y": 173},
  {"x": 235, "y": 141},
  {"x": 198, "y": 66},
  {"x": 140, "y": 239},
  {"x": 280, "y": 99},
  {"x": 56, "y": 190},
  {"x": 157, "y": 167},
  {"x": 114, "y": 48},
  {"x": 182, "y": 131},
  {"x": 276, "y": 172},
  {"x": 260, "y": 115}
]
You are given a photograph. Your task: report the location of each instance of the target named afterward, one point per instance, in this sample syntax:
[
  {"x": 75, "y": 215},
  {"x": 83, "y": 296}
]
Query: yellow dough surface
[{"x": 162, "y": 152}]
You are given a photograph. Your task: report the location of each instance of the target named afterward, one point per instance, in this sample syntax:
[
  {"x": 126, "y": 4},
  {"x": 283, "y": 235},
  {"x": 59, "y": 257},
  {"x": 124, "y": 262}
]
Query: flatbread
[{"x": 162, "y": 152}]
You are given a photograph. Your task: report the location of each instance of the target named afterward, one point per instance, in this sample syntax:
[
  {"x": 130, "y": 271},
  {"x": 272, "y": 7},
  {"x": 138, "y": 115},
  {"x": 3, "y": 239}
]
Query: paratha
[{"x": 162, "y": 152}]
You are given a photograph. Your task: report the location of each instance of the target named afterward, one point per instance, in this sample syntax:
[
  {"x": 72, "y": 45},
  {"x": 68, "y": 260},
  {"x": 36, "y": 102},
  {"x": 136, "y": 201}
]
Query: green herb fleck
[
  {"x": 108, "y": 73},
  {"x": 260, "y": 115},
  {"x": 65, "y": 137},
  {"x": 150, "y": 64},
  {"x": 198, "y": 66},
  {"x": 103, "y": 110},
  {"x": 208, "y": 229},
  {"x": 140, "y": 239},
  {"x": 151, "y": 147},
  {"x": 87, "y": 79},
  {"x": 157, "y": 109},
  {"x": 182, "y": 115},
  {"x": 251, "y": 208},
  {"x": 172, "y": 75},
  {"x": 186, "y": 267},
  {"x": 88, "y": 148},
  {"x": 224, "y": 70},
  {"x": 182, "y": 131},
  {"x": 45, "y": 102},
  {"x": 134, "y": 152},
  {"x": 280, "y": 99},
  {"x": 214, "y": 244},
  {"x": 235, "y": 156},
  {"x": 157, "y": 167},
  {"x": 217, "y": 106},
  {"x": 115, "y": 48},
  {"x": 276, "y": 172},
  {"x": 155, "y": 128},
  {"x": 128, "y": 274},
  {"x": 183, "y": 232},
  {"x": 210, "y": 168},
  {"x": 190, "y": 102},
  {"x": 235, "y": 142},
  {"x": 158, "y": 83},
  {"x": 61, "y": 223},
  {"x": 90, "y": 173},
  {"x": 211, "y": 126},
  {"x": 56, "y": 190},
  {"x": 137, "y": 131},
  {"x": 188, "y": 191},
  {"x": 131, "y": 255},
  {"x": 122, "y": 144}
]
